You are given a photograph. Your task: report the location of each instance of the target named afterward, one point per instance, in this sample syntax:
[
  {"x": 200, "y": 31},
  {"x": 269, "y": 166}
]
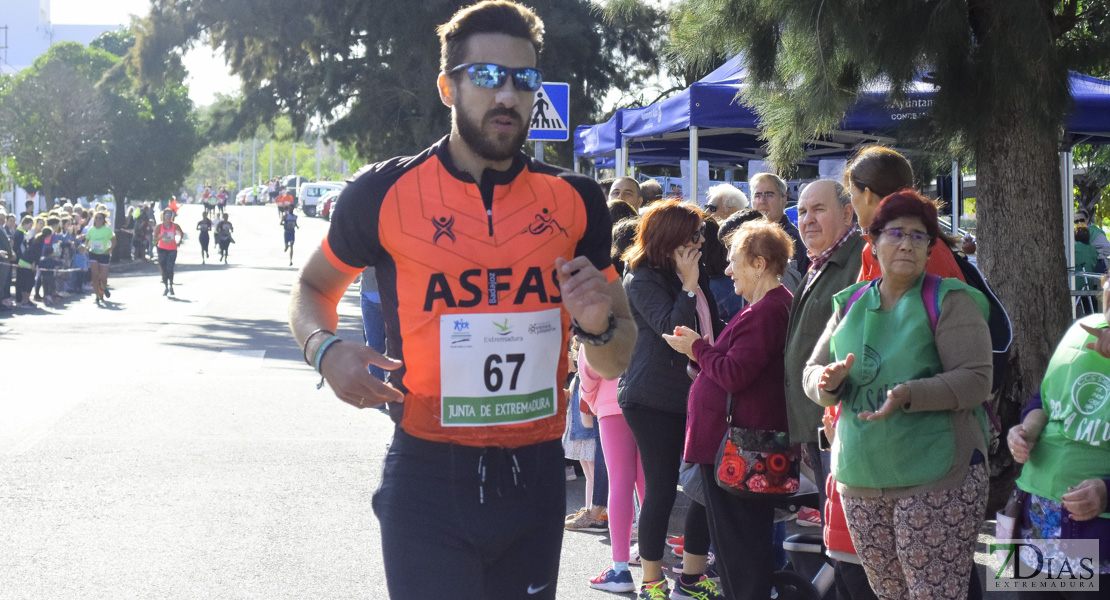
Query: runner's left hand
[
  {"x": 1086, "y": 500},
  {"x": 583, "y": 289}
]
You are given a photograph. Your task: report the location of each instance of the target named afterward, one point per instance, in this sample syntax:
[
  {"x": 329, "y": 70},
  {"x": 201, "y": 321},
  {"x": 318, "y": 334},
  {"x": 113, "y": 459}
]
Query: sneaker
[
  {"x": 575, "y": 515},
  {"x": 677, "y": 551},
  {"x": 634, "y": 556},
  {"x": 704, "y": 589},
  {"x": 656, "y": 590},
  {"x": 587, "y": 523},
  {"x": 809, "y": 517},
  {"x": 571, "y": 475},
  {"x": 107, "y": 293},
  {"x": 171, "y": 289},
  {"x": 612, "y": 581},
  {"x": 676, "y": 541}
]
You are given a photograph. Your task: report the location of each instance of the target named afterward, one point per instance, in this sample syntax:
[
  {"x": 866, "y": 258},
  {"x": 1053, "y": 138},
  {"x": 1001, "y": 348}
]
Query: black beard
[{"x": 490, "y": 148}]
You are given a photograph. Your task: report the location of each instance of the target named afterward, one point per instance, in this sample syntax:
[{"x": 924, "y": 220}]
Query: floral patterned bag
[{"x": 757, "y": 463}]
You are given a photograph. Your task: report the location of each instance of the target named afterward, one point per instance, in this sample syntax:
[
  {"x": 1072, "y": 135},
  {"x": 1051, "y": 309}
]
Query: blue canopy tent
[{"x": 706, "y": 121}]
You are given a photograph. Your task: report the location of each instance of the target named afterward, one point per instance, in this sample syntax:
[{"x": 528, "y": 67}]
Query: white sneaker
[{"x": 571, "y": 475}]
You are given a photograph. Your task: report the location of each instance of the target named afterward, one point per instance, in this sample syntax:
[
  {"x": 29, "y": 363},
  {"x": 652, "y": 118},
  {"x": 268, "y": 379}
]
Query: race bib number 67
[{"x": 499, "y": 368}]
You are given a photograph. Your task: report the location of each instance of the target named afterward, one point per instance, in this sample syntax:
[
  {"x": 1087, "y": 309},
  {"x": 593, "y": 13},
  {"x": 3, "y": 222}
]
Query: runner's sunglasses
[{"x": 489, "y": 75}]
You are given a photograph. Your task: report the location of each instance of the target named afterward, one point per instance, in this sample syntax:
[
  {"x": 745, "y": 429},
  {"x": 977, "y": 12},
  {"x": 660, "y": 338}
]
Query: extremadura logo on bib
[{"x": 499, "y": 368}]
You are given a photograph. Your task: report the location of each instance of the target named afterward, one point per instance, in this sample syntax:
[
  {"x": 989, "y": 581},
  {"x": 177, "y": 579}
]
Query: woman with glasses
[
  {"x": 666, "y": 290},
  {"x": 908, "y": 358}
]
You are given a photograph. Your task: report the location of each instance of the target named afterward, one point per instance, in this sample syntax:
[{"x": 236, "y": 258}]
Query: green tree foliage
[
  {"x": 53, "y": 122},
  {"x": 271, "y": 152},
  {"x": 1001, "y": 68},
  {"x": 367, "y": 68},
  {"x": 75, "y": 127}
]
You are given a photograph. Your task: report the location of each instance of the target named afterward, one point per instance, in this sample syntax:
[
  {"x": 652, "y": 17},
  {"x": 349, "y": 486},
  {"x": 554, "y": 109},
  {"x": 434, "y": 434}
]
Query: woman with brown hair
[
  {"x": 666, "y": 290},
  {"x": 874, "y": 173}
]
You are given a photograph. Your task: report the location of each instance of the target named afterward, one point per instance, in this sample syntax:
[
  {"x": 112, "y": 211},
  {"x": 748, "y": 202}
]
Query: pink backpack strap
[{"x": 859, "y": 294}]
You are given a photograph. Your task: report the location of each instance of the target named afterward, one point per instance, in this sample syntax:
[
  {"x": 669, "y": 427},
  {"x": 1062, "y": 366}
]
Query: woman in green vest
[
  {"x": 908, "y": 357},
  {"x": 1064, "y": 442}
]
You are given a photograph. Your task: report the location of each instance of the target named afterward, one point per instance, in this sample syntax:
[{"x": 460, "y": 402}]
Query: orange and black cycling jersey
[{"x": 445, "y": 245}]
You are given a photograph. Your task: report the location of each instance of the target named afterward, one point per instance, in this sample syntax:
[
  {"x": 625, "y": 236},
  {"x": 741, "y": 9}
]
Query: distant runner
[
  {"x": 168, "y": 234},
  {"x": 289, "y": 222}
]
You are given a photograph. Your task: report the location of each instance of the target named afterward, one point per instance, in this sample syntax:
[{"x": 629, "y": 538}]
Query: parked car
[
  {"x": 327, "y": 204},
  {"x": 309, "y": 194}
]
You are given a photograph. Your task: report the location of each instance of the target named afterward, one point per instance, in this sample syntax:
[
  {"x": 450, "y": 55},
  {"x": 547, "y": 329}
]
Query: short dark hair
[
  {"x": 624, "y": 234},
  {"x": 1082, "y": 234},
  {"x": 620, "y": 210},
  {"x": 490, "y": 16},
  {"x": 906, "y": 203},
  {"x": 734, "y": 221},
  {"x": 714, "y": 252}
]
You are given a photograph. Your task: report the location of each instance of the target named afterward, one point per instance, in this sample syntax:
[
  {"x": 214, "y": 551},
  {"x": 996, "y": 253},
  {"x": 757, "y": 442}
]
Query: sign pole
[{"x": 539, "y": 151}]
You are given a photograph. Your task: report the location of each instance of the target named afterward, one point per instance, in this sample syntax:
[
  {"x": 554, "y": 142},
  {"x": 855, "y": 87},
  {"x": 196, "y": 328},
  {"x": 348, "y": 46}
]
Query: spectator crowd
[{"x": 858, "y": 338}]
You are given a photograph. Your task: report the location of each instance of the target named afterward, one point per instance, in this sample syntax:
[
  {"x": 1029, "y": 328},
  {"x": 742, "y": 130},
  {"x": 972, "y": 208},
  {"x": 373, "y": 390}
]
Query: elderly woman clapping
[{"x": 908, "y": 357}]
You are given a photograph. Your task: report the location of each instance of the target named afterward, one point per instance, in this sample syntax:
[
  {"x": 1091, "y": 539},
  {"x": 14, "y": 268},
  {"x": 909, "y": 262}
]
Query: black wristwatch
[{"x": 599, "y": 339}]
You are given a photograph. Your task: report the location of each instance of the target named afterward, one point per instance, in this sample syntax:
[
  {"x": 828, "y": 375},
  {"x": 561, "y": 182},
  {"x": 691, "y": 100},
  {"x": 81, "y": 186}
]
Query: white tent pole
[
  {"x": 693, "y": 187},
  {"x": 1066, "y": 197},
  {"x": 622, "y": 159},
  {"x": 955, "y": 196}
]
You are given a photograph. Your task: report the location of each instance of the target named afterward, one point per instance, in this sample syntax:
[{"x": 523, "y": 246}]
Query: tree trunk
[{"x": 1021, "y": 252}]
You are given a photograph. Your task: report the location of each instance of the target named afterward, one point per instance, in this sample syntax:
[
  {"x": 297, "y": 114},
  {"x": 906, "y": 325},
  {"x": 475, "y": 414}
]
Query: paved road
[{"x": 177, "y": 447}]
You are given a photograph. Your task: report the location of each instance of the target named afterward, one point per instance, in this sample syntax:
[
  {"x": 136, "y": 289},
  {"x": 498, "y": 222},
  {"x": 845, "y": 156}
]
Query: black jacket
[{"x": 657, "y": 378}]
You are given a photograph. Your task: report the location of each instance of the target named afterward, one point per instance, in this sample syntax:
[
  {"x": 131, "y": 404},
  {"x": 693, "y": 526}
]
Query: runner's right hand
[{"x": 345, "y": 369}]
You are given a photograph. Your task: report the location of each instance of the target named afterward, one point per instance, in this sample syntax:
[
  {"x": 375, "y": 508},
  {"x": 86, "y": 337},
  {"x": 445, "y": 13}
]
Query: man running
[
  {"x": 474, "y": 475},
  {"x": 289, "y": 223}
]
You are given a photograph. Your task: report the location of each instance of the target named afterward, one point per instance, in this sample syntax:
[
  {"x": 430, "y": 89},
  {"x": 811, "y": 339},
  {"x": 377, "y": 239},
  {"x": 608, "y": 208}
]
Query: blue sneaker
[{"x": 612, "y": 581}]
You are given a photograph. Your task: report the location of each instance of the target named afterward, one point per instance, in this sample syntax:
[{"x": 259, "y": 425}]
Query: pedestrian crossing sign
[{"x": 550, "y": 113}]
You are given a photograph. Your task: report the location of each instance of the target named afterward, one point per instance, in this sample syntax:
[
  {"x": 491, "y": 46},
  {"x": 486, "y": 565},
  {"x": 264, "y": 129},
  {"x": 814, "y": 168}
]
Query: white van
[{"x": 309, "y": 194}]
